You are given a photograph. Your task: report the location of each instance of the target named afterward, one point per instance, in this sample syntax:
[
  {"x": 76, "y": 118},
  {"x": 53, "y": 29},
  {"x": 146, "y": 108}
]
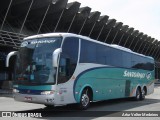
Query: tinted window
[
  {"x": 116, "y": 57},
  {"x": 96, "y": 53},
  {"x": 88, "y": 50},
  {"x": 126, "y": 58},
  {"x": 68, "y": 59},
  {"x": 140, "y": 62},
  {"x": 103, "y": 54}
]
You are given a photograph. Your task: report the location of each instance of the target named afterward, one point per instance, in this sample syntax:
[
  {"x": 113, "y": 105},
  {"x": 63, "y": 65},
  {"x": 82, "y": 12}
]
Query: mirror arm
[
  {"x": 9, "y": 56},
  {"x": 55, "y": 56}
]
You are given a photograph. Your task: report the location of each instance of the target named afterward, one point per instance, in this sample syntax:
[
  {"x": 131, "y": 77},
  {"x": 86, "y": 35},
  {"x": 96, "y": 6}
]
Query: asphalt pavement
[{"x": 110, "y": 109}]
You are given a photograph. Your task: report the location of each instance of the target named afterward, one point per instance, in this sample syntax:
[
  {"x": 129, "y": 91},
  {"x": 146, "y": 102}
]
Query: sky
[{"x": 142, "y": 15}]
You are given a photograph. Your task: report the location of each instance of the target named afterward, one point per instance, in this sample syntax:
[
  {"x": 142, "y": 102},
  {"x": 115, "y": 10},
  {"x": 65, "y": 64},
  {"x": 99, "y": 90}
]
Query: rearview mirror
[
  {"x": 56, "y": 56},
  {"x": 9, "y": 56}
]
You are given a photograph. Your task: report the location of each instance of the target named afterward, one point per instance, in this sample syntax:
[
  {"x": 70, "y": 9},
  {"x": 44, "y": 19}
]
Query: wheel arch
[
  {"x": 145, "y": 88},
  {"x": 137, "y": 87},
  {"x": 83, "y": 88}
]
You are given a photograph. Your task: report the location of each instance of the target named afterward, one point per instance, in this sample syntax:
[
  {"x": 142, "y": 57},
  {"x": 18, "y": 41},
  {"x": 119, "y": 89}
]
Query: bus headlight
[
  {"x": 47, "y": 92},
  {"x": 15, "y": 91}
]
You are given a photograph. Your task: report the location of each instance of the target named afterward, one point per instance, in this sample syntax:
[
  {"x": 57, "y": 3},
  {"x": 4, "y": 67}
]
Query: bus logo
[
  {"x": 24, "y": 44},
  {"x": 148, "y": 76}
]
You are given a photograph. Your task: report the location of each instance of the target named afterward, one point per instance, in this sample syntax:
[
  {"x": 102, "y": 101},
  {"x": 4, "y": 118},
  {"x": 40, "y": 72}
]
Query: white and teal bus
[{"x": 62, "y": 68}]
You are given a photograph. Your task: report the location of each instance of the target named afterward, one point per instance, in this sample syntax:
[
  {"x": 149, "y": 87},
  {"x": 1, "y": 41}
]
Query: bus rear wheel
[
  {"x": 138, "y": 94},
  {"x": 143, "y": 93},
  {"x": 85, "y": 99}
]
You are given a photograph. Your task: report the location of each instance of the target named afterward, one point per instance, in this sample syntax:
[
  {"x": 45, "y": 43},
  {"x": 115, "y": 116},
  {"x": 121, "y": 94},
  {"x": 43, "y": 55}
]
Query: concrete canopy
[{"x": 20, "y": 18}]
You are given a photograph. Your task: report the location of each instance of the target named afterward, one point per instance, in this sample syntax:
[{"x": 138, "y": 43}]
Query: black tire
[
  {"x": 138, "y": 94},
  {"x": 143, "y": 93},
  {"x": 85, "y": 99}
]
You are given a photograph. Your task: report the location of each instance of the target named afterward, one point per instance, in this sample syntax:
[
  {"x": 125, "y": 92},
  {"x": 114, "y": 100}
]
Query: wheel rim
[{"x": 85, "y": 100}]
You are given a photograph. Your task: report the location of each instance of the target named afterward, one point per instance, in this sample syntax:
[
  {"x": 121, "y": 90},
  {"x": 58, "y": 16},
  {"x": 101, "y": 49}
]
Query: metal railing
[{"x": 10, "y": 38}]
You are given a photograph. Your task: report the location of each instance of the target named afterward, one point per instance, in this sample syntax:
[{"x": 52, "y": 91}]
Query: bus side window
[
  {"x": 64, "y": 67},
  {"x": 68, "y": 59}
]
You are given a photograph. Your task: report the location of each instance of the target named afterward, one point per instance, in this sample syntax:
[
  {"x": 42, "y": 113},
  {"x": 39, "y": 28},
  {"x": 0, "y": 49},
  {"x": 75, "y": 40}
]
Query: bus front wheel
[{"x": 85, "y": 99}]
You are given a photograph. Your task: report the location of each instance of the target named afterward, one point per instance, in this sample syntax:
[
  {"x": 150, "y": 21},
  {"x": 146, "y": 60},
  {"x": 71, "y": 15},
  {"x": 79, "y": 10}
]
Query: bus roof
[
  {"x": 86, "y": 38},
  {"x": 51, "y": 35}
]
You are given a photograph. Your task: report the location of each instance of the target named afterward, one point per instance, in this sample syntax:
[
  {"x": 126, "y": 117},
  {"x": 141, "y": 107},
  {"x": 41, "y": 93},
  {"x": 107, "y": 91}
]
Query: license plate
[{"x": 28, "y": 98}]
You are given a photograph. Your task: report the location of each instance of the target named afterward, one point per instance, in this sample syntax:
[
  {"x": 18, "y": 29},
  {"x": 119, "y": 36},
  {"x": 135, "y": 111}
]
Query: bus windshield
[{"x": 34, "y": 62}]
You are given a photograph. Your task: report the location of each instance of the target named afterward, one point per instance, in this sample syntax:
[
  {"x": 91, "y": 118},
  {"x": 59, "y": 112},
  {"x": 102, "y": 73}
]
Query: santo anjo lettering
[
  {"x": 42, "y": 41},
  {"x": 25, "y": 43},
  {"x": 134, "y": 74}
]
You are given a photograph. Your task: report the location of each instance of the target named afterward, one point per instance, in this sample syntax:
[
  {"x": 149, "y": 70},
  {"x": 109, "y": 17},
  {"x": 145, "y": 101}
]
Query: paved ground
[{"x": 97, "y": 111}]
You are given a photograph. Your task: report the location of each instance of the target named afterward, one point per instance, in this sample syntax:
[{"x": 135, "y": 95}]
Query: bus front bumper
[{"x": 39, "y": 99}]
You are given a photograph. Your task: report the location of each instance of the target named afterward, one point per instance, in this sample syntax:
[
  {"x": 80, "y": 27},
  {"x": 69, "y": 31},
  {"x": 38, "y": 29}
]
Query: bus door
[{"x": 67, "y": 65}]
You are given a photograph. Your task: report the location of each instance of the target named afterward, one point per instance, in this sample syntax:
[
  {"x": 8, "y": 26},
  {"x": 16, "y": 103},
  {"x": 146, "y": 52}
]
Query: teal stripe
[
  {"x": 110, "y": 82},
  {"x": 39, "y": 87}
]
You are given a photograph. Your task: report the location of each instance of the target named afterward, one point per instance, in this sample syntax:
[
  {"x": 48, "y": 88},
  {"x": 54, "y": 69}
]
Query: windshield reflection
[{"x": 34, "y": 62}]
